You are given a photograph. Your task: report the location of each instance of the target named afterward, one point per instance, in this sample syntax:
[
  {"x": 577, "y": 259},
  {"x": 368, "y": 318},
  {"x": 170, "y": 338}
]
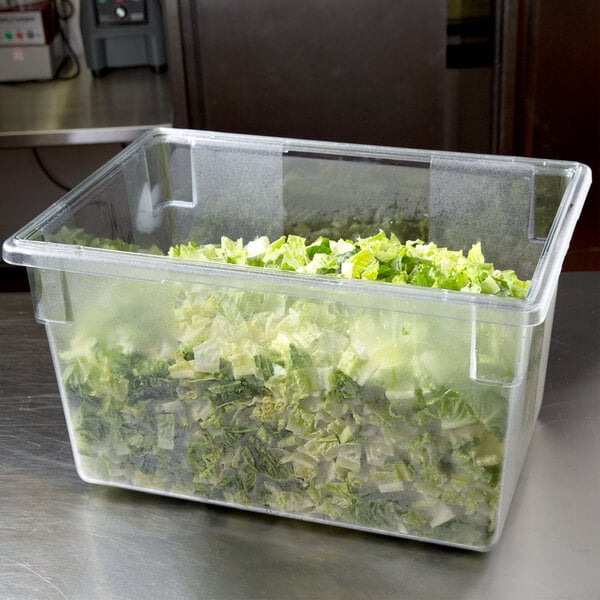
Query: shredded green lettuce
[
  {"x": 362, "y": 417},
  {"x": 379, "y": 257}
]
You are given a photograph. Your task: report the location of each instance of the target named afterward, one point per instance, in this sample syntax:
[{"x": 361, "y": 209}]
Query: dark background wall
[{"x": 558, "y": 103}]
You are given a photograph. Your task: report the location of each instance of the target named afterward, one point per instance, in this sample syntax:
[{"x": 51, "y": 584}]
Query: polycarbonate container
[{"x": 384, "y": 407}]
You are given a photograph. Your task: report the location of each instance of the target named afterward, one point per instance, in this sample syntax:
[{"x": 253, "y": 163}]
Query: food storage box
[{"x": 391, "y": 408}]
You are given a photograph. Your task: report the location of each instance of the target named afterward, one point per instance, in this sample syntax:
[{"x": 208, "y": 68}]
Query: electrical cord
[
  {"x": 46, "y": 172},
  {"x": 73, "y": 57},
  {"x": 64, "y": 13},
  {"x": 66, "y": 6}
]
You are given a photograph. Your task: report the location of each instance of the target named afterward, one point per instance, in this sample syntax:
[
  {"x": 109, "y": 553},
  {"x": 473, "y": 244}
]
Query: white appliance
[{"x": 31, "y": 42}]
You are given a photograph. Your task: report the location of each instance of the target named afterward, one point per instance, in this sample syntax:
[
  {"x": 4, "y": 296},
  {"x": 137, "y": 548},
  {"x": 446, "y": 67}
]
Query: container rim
[{"x": 20, "y": 249}]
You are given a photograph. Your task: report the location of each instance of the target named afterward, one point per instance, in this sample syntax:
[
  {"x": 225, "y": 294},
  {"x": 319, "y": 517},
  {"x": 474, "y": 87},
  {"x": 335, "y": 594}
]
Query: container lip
[
  {"x": 359, "y": 150},
  {"x": 21, "y": 249}
]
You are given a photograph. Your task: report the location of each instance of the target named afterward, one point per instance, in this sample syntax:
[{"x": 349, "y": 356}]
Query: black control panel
[{"x": 120, "y": 12}]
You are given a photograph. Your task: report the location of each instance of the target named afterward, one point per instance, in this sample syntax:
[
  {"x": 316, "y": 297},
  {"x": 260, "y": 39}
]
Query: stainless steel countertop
[
  {"x": 63, "y": 538},
  {"x": 84, "y": 110}
]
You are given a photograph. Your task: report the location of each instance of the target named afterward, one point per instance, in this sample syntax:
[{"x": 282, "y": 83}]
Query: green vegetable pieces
[
  {"x": 312, "y": 408},
  {"x": 379, "y": 257}
]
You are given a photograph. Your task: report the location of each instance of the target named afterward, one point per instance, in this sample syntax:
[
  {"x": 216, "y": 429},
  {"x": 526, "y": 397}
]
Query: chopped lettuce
[
  {"x": 379, "y": 257},
  {"x": 363, "y": 417}
]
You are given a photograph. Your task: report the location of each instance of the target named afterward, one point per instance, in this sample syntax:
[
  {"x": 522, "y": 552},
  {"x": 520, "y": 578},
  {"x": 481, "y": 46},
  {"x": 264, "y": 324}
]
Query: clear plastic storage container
[{"x": 390, "y": 408}]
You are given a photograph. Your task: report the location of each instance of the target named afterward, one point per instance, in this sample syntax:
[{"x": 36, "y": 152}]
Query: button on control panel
[
  {"x": 120, "y": 12},
  {"x": 22, "y": 29}
]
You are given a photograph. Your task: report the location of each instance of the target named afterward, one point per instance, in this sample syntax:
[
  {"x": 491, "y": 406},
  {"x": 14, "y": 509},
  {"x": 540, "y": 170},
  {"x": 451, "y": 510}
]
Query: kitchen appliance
[
  {"x": 122, "y": 33},
  {"x": 31, "y": 42}
]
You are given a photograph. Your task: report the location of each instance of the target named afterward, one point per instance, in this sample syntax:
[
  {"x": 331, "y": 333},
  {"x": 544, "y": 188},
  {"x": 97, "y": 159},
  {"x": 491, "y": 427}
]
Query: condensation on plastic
[
  {"x": 320, "y": 193},
  {"x": 485, "y": 201},
  {"x": 177, "y": 192},
  {"x": 236, "y": 192},
  {"x": 491, "y": 202}
]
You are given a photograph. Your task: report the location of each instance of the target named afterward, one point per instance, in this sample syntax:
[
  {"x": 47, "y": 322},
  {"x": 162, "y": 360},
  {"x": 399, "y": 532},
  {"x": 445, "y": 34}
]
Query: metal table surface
[
  {"x": 63, "y": 538},
  {"x": 84, "y": 110}
]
